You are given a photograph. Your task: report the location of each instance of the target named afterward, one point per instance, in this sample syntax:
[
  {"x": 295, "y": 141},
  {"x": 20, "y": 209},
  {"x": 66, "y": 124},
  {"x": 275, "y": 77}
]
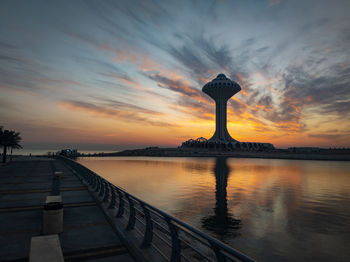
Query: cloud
[
  {"x": 319, "y": 81},
  {"x": 237, "y": 106},
  {"x": 4, "y": 45},
  {"x": 122, "y": 113},
  {"x": 191, "y": 100},
  {"x": 329, "y": 91},
  {"x": 175, "y": 85},
  {"x": 99, "y": 65},
  {"x": 342, "y": 108},
  {"x": 196, "y": 109},
  {"x": 330, "y": 137},
  {"x": 18, "y": 71},
  {"x": 192, "y": 60},
  {"x": 124, "y": 106},
  {"x": 8, "y": 58},
  {"x": 274, "y": 2},
  {"x": 202, "y": 57},
  {"x": 221, "y": 56}
]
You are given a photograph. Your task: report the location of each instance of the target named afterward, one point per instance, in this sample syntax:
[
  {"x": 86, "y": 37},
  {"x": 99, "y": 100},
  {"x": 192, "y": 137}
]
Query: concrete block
[
  {"x": 58, "y": 174},
  {"x": 45, "y": 248},
  {"x": 53, "y": 215},
  {"x": 53, "y": 199}
]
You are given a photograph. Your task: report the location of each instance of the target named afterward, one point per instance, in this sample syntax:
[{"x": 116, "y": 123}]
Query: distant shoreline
[{"x": 277, "y": 154}]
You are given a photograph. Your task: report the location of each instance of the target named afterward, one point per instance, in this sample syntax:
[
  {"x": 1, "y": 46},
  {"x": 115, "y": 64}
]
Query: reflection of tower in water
[{"x": 221, "y": 223}]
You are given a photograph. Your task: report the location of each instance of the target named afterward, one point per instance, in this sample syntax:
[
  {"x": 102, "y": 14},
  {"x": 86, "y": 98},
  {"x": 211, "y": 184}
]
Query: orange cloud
[
  {"x": 127, "y": 55},
  {"x": 145, "y": 117},
  {"x": 274, "y": 2}
]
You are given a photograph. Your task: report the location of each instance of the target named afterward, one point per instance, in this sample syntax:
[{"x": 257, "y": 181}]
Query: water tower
[{"x": 221, "y": 89}]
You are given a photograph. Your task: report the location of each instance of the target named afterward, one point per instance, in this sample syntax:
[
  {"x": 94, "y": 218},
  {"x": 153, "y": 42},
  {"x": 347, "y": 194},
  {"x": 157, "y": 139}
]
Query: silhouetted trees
[{"x": 9, "y": 139}]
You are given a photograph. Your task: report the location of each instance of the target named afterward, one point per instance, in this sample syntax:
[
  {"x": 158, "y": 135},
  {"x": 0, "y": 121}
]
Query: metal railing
[{"x": 173, "y": 239}]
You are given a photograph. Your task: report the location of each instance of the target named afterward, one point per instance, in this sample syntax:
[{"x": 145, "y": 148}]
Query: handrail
[{"x": 107, "y": 192}]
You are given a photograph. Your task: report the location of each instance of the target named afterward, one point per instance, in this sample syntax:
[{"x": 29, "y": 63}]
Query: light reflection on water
[{"x": 286, "y": 210}]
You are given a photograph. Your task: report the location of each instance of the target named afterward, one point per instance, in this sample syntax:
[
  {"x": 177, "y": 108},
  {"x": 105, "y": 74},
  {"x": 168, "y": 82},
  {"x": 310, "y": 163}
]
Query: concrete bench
[{"x": 45, "y": 248}]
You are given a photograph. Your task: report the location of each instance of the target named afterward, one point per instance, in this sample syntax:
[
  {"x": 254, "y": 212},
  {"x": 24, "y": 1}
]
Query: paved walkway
[{"x": 24, "y": 185}]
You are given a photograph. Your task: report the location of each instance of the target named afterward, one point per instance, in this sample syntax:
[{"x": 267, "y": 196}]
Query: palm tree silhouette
[{"x": 9, "y": 139}]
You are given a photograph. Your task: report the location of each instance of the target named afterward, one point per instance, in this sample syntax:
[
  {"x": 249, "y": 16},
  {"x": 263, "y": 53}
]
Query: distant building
[
  {"x": 69, "y": 152},
  {"x": 221, "y": 89},
  {"x": 304, "y": 149}
]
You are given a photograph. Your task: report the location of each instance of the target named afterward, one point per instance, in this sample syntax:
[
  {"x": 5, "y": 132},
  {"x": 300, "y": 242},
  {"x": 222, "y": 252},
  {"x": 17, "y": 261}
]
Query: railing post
[
  {"x": 88, "y": 176},
  {"x": 93, "y": 182},
  {"x": 147, "y": 238},
  {"x": 121, "y": 204},
  {"x": 85, "y": 174},
  {"x": 131, "y": 222},
  {"x": 102, "y": 191},
  {"x": 113, "y": 200},
  {"x": 219, "y": 256},
  {"x": 82, "y": 175},
  {"x": 105, "y": 198},
  {"x": 92, "y": 178},
  {"x": 98, "y": 184},
  {"x": 175, "y": 242}
]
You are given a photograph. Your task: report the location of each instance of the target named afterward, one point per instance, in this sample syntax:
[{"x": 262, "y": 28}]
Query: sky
[{"x": 108, "y": 75}]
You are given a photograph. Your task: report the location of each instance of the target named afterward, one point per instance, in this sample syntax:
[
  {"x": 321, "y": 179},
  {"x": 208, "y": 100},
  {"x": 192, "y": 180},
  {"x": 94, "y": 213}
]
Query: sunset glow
[{"x": 109, "y": 75}]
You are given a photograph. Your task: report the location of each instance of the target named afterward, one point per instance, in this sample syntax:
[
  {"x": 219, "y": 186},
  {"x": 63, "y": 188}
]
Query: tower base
[{"x": 227, "y": 145}]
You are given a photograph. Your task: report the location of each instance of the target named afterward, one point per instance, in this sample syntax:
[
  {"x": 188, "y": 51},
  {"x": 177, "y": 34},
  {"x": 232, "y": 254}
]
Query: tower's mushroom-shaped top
[{"x": 221, "y": 88}]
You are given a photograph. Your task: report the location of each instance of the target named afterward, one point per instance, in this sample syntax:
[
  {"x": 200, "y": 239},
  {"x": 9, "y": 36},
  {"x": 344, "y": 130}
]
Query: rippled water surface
[{"x": 286, "y": 210}]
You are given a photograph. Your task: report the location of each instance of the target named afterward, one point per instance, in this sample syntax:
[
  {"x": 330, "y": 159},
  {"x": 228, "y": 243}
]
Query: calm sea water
[{"x": 285, "y": 210}]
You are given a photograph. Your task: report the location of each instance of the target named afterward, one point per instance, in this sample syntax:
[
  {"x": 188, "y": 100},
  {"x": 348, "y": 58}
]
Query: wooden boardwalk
[{"x": 86, "y": 236}]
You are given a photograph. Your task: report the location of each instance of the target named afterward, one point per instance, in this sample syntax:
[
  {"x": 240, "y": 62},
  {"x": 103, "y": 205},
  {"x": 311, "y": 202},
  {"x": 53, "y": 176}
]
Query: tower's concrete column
[{"x": 221, "y": 132}]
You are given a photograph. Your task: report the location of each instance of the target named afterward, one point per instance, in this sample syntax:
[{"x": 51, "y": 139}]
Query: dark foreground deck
[
  {"x": 87, "y": 235},
  {"x": 101, "y": 221}
]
